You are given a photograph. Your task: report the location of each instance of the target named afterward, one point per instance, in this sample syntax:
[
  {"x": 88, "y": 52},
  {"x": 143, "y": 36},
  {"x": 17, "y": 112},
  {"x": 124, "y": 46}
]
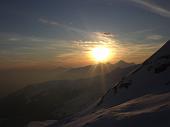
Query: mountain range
[
  {"x": 140, "y": 99},
  {"x": 14, "y": 79},
  {"x": 134, "y": 95},
  {"x": 57, "y": 99}
]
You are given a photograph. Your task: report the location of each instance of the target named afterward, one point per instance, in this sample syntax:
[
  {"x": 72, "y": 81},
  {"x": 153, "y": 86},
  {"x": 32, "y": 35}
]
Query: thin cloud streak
[
  {"x": 153, "y": 8},
  {"x": 154, "y": 37},
  {"x": 57, "y": 24}
]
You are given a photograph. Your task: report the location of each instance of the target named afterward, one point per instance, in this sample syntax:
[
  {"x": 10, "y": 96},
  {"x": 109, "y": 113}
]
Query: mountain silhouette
[
  {"x": 101, "y": 67},
  {"x": 57, "y": 99}
]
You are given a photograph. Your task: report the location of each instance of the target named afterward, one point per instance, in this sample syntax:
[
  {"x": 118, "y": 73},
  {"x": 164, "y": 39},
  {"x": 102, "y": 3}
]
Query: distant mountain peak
[
  {"x": 122, "y": 64},
  {"x": 121, "y": 61}
]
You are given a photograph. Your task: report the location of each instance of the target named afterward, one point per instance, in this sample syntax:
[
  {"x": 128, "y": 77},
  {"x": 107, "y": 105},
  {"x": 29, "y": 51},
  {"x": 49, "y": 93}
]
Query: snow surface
[
  {"x": 142, "y": 81},
  {"x": 116, "y": 116}
]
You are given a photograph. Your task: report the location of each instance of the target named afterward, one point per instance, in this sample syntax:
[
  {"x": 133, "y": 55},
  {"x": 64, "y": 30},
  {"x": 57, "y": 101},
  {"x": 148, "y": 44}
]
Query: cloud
[
  {"x": 154, "y": 37},
  {"x": 62, "y": 25},
  {"x": 96, "y": 39},
  {"x": 130, "y": 51},
  {"x": 153, "y": 8},
  {"x": 14, "y": 39},
  {"x": 45, "y": 49},
  {"x": 140, "y": 31},
  {"x": 43, "y": 20}
]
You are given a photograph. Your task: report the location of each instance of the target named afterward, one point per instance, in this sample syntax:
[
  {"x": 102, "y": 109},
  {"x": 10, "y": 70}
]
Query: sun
[{"x": 100, "y": 54}]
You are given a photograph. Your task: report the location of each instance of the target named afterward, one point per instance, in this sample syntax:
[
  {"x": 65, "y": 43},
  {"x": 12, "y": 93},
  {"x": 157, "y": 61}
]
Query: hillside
[{"x": 56, "y": 99}]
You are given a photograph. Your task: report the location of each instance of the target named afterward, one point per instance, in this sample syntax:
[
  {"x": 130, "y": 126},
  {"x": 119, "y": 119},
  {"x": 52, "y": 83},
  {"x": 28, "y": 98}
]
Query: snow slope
[
  {"x": 151, "y": 77},
  {"x": 151, "y": 110}
]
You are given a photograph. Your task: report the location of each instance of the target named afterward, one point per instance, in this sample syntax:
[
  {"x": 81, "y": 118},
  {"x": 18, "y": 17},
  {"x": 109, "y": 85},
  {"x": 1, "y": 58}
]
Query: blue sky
[{"x": 60, "y": 32}]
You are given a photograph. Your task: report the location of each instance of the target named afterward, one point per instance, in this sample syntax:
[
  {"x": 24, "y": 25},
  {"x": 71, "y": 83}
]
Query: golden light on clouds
[{"x": 103, "y": 47}]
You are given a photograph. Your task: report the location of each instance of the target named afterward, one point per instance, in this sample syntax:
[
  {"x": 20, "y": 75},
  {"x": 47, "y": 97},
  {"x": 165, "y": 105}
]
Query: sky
[{"x": 55, "y": 33}]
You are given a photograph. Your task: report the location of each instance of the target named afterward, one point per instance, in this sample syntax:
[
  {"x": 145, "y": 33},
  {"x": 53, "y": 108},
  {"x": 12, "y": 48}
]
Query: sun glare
[{"x": 100, "y": 54}]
